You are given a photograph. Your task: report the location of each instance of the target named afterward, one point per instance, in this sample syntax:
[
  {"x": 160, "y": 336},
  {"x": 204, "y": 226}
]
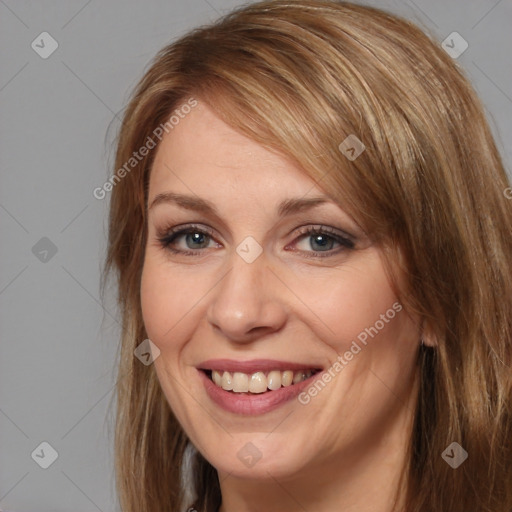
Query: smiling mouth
[{"x": 258, "y": 382}]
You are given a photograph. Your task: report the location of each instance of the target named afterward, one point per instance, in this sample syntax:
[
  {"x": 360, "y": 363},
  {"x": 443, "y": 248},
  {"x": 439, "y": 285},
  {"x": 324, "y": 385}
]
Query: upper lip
[{"x": 254, "y": 365}]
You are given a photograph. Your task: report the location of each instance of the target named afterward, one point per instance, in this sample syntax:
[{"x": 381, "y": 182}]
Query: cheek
[
  {"x": 173, "y": 301},
  {"x": 153, "y": 297},
  {"x": 350, "y": 301},
  {"x": 166, "y": 297}
]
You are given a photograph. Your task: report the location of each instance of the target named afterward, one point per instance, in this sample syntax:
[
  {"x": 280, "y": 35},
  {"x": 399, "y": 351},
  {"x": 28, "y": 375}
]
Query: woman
[{"x": 308, "y": 221}]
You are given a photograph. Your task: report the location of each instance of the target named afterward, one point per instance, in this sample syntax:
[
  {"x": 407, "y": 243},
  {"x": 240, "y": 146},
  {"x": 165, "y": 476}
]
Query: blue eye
[
  {"x": 323, "y": 241},
  {"x": 195, "y": 238},
  {"x": 320, "y": 239}
]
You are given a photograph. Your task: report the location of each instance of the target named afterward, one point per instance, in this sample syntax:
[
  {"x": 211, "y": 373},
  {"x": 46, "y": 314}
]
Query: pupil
[
  {"x": 197, "y": 238},
  {"x": 318, "y": 238}
]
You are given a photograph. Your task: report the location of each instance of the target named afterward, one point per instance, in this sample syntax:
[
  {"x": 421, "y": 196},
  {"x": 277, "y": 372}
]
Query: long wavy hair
[{"x": 299, "y": 77}]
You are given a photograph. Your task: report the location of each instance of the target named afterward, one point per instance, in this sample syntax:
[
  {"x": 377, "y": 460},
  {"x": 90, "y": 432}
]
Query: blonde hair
[{"x": 300, "y": 77}]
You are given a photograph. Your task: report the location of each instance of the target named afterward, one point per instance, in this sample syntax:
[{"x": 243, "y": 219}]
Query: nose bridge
[{"x": 245, "y": 298}]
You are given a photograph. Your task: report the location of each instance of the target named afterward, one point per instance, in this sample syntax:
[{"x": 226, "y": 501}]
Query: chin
[{"x": 255, "y": 456}]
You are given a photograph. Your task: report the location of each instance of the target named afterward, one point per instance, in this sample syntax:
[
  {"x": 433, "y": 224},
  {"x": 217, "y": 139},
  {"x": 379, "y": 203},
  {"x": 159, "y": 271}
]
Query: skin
[{"x": 343, "y": 450}]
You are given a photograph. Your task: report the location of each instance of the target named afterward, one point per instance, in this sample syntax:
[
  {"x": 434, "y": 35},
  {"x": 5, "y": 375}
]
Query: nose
[{"x": 247, "y": 303}]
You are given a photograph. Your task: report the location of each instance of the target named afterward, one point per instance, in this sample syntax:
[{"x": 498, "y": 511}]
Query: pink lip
[
  {"x": 252, "y": 366},
  {"x": 253, "y": 404}
]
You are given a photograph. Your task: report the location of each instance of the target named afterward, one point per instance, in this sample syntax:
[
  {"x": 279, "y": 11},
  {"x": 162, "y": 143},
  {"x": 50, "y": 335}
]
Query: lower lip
[{"x": 257, "y": 403}]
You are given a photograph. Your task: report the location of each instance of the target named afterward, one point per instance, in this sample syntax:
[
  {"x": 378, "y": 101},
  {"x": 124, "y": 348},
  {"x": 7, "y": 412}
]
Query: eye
[
  {"x": 195, "y": 238},
  {"x": 320, "y": 238}
]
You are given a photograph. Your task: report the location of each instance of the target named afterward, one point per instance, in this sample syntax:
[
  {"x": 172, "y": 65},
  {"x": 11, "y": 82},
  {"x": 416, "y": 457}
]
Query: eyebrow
[{"x": 286, "y": 207}]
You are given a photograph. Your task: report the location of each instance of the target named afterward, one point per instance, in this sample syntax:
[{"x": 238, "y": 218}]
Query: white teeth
[
  {"x": 240, "y": 382},
  {"x": 287, "y": 378},
  {"x": 258, "y": 382},
  {"x": 274, "y": 380},
  {"x": 227, "y": 381},
  {"x": 298, "y": 377},
  {"x": 217, "y": 378}
]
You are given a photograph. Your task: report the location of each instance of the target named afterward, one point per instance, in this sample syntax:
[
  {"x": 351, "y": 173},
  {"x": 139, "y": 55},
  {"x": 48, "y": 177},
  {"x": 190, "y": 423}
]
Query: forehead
[{"x": 205, "y": 156}]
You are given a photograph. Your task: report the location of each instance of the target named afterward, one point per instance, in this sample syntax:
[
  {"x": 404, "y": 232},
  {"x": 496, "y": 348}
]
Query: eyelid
[{"x": 311, "y": 227}]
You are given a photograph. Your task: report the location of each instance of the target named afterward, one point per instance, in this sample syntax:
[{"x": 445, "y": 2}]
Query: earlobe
[{"x": 427, "y": 337}]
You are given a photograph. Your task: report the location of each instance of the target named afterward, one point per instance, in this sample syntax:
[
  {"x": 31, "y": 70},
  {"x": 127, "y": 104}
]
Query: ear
[{"x": 427, "y": 336}]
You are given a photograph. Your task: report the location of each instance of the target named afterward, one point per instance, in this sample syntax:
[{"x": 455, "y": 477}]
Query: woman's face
[{"x": 235, "y": 288}]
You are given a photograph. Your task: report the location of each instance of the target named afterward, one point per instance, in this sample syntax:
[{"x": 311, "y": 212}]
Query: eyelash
[{"x": 166, "y": 238}]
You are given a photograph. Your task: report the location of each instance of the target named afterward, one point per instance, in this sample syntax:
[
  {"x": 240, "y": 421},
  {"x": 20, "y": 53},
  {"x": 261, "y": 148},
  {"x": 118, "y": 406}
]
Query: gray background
[{"x": 58, "y": 341}]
